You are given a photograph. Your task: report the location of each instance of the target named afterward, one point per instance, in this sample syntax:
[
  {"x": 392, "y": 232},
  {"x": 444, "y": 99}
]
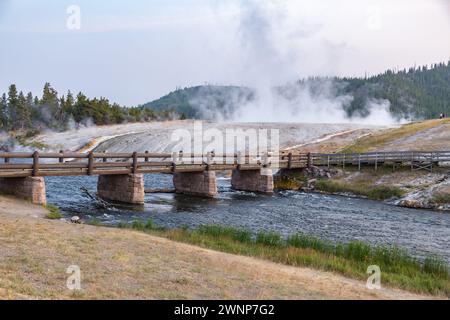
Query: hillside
[
  {"x": 417, "y": 93},
  {"x": 413, "y": 94},
  {"x": 204, "y": 102}
]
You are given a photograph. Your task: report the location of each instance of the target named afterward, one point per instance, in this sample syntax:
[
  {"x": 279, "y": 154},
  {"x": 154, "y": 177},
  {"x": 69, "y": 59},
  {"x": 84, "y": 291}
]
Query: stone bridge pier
[
  {"x": 260, "y": 180},
  {"x": 126, "y": 188},
  {"x": 196, "y": 183},
  {"x": 29, "y": 188}
]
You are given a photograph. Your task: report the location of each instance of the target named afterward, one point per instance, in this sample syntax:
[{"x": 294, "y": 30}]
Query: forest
[
  {"x": 414, "y": 94},
  {"x": 31, "y": 114}
]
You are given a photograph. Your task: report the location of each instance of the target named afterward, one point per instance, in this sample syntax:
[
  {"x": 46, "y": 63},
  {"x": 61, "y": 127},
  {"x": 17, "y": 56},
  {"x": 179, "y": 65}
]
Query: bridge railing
[{"x": 72, "y": 163}]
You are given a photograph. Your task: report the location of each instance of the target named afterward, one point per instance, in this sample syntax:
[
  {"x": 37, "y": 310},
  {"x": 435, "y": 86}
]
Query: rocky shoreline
[{"x": 418, "y": 190}]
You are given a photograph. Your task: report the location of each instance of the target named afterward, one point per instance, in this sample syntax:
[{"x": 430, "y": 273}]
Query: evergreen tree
[
  {"x": 23, "y": 112},
  {"x": 50, "y": 103},
  {"x": 4, "y": 123},
  {"x": 13, "y": 102}
]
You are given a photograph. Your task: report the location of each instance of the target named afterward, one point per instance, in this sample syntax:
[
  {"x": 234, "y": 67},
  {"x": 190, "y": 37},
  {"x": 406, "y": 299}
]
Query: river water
[{"x": 335, "y": 218}]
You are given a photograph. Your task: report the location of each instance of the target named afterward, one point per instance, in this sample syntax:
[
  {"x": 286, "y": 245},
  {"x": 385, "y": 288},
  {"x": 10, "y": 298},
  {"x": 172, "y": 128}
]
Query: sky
[{"x": 135, "y": 51}]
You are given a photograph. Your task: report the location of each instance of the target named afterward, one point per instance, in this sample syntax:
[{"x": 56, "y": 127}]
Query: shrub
[
  {"x": 269, "y": 238},
  {"x": 305, "y": 241},
  {"x": 441, "y": 198},
  {"x": 384, "y": 192},
  {"x": 138, "y": 225},
  {"x": 54, "y": 212},
  {"x": 436, "y": 266},
  {"x": 122, "y": 225}
]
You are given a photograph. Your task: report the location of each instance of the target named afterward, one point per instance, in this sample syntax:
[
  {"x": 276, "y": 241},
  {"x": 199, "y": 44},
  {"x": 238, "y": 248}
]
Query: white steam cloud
[{"x": 280, "y": 40}]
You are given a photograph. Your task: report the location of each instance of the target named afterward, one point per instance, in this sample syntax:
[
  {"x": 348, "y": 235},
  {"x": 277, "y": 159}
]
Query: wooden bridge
[{"x": 120, "y": 174}]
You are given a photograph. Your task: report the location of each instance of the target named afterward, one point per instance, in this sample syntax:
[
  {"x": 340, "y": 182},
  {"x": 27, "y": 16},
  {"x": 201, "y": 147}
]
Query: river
[{"x": 335, "y": 218}]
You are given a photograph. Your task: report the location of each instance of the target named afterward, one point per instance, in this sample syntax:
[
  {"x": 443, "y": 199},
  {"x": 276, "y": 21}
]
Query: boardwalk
[
  {"x": 121, "y": 174},
  {"x": 73, "y": 164}
]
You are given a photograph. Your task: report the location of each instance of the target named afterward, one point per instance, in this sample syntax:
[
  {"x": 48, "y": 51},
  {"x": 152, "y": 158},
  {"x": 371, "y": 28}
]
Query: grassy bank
[
  {"x": 378, "y": 140},
  {"x": 399, "y": 269},
  {"x": 364, "y": 189},
  {"x": 53, "y": 212}
]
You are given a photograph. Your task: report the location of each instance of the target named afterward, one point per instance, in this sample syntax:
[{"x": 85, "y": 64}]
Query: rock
[
  {"x": 415, "y": 204},
  {"x": 319, "y": 173},
  {"x": 75, "y": 219},
  {"x": 311, "y": 183}
]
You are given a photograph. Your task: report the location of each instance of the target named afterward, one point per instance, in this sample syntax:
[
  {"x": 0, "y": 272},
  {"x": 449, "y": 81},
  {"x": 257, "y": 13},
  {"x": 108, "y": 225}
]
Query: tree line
[
  {"x": 416, "y": 93},
  {"x": 25, "y": 112}
]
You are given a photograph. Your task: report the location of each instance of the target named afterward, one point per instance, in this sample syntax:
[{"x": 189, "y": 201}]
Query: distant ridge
[
  {"x": 203, "y": 102},
  {"x": 415, "y": 93}
]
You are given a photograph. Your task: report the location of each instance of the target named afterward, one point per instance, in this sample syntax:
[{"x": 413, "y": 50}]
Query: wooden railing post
[
  {"x": 174, "y": 160},
  {"x": 6, "y": 160},
  {"x": 61, "y": 158},
  {"x": 35, "y": 164},
  {"x": 135, "y": 162},
  {"x": 208, "y": 160},
  {"x": 431, "y": 166},
  {"x": 91, "y": 163},
  {"x": 309, "y": 161},
  {"x": 105, "y": 159},
  {"x": 290, "y": 160},
  {"x": 343, "y": 162},
  {"x": 146, "y": 158}
]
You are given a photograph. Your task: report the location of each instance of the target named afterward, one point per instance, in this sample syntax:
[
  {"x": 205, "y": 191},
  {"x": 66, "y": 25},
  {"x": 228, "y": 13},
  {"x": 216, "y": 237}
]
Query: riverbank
[
  {"x": 397, "y": 185},
  {"x": 117, "y": 263}
]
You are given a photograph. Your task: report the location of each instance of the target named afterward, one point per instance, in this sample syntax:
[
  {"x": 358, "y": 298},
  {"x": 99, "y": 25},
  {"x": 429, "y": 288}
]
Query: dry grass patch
[
  {"x": 378, "y": 140},
  {"x": 127, "y": 264}
]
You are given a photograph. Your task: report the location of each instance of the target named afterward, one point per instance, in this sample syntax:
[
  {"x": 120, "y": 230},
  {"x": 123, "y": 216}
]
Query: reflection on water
[{"x": 331, "y": 217}]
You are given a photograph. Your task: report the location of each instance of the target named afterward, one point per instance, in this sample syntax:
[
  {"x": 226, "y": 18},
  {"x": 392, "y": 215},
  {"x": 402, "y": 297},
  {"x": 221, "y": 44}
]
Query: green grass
[
  {"x": 54, "y": 212},
  {"x": 23, "y": 140},
  {"x": 380, "y": 192},
  {"x": 441, "y": 198},
  {"x": 399, "y": 269},
  {"x": 268, "y": 239},
  {"x": 140, "y": 225},
  {"x": 236, "y": 234}
]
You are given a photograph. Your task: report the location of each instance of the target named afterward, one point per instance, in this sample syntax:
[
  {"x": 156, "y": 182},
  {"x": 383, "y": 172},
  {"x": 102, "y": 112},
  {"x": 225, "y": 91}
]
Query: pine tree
[
  {"x": 4, "y": 122},
  {"x": 23, "y": 112},
  {"x": 50, "y": 101},
  {"x": 13, "y": 102}
]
